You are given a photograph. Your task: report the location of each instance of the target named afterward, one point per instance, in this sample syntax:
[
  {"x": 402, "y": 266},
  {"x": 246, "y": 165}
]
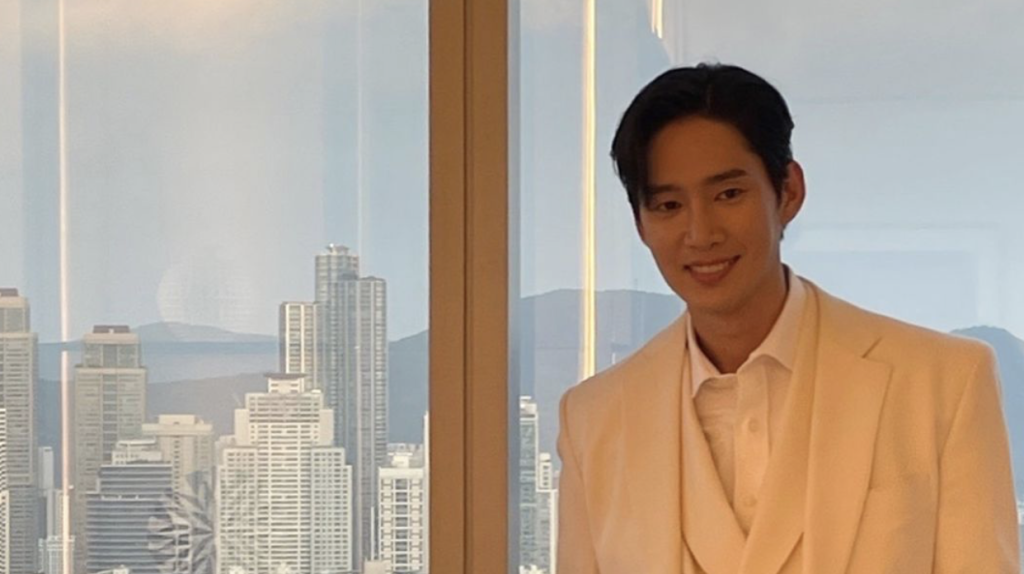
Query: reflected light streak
[
  {"x": 658, "y": 18},
  {"x": 65, "y": 398},
  {"x": 589, "y": 310}
]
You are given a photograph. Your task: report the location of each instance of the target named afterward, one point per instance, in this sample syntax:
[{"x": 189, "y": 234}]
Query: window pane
[
  {"x": 245, "y": 255},
  {"x": 907, "y": 141}
]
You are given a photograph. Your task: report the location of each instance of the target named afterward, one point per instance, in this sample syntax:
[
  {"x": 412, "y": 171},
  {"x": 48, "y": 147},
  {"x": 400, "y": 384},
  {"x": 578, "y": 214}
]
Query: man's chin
[{"x": 704, "y": 304}]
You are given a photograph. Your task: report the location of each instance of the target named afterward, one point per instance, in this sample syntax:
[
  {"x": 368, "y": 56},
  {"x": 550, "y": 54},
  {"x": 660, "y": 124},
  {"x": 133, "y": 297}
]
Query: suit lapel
[
  {"x": 818, "y": 477},
  {"x": 848, "y": 402},
  {"x": 651, "y": 402}
]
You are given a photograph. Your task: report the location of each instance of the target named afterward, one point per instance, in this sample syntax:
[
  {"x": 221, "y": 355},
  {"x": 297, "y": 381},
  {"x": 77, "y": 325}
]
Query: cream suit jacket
[{"x": 893, "y": 459}]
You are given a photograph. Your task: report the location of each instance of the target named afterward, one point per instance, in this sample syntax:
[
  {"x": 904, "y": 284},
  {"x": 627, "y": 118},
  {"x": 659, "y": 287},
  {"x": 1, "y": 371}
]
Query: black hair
[{"x": 720, "y": 92}]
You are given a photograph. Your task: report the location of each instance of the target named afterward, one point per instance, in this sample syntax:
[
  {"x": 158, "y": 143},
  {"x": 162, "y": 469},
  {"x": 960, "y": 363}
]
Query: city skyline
[{"x": 117, "y": 347}]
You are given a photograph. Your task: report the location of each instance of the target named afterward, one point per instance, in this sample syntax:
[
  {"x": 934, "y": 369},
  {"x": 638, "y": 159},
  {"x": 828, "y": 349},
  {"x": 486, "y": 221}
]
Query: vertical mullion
[
  {"x": 447, "y": 482},
  {"x": 488, "y": 286},
  {"x": 469, "y": 400}
]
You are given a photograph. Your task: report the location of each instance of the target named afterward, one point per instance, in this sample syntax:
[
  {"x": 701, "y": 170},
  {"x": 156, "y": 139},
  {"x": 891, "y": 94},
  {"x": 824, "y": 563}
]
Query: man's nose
[{"x": 701, "y": 230}]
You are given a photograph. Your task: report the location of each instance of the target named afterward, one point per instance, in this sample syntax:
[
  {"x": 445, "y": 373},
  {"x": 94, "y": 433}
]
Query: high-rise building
[
  {"x": 402, "y": 539},
  {"x": 426, "y": 491},
  {"x": 529, "y": 440},
  {"x": 297, "y": 336},
  {"x": 18, "y": 376},
  {"x": 283, "y": 488},
  {"x": 186, "y": 442},
  {"x": 49, "y": 495},
  {"x": 51, "y": 555},
  {"x": 352, "y": 350},
  {"x": 126, "y": 511},
  {"x": 547, "y": 513},
  {"x": 5, "y": 566},
  {"x": 51, "y": 514},
  {"x": 109, "y": 407}
]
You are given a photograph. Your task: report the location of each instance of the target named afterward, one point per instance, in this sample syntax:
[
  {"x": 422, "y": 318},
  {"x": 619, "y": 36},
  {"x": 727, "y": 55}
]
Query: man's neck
[{"x": 728, "y": 339}]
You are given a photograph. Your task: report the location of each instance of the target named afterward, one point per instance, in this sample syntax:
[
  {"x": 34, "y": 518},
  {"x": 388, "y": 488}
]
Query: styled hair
[{"x": 719, "y": 92}]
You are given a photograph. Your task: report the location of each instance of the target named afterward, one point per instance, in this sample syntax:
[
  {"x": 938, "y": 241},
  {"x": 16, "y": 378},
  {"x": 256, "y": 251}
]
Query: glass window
[
  {"x": 913, "y": 206},
  {"x": 191, "y": 197}
]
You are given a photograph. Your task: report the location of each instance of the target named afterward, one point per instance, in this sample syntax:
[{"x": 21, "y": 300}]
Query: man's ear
[{"x": 794, "y": 192}]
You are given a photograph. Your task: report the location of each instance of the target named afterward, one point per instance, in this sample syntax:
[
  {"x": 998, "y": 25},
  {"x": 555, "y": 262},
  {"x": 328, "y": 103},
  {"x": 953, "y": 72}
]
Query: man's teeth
[{"x": 711, "y": 268}]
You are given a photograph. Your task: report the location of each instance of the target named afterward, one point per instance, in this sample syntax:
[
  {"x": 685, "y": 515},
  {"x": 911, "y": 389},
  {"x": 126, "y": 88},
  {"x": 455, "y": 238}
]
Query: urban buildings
[
  {"x": 283, "y": 488},
  {"x": 127, "y": 513},
  {"x": 18, "y": 379},
  {"x": 297, "y": 336},
  {"x": 109, "y": 407},
  {"x": 5, "y": 502},
  {"x": 186, "y": 442},
  {"x": 538, "y": 495},
  {"x": 403, "y": 537},
  {"x": 352, "y": 362}
]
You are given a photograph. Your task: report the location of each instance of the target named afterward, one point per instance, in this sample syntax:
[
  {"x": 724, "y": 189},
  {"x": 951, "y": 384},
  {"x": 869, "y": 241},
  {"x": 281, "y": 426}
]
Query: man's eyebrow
[{"x": 726, "y": 175}]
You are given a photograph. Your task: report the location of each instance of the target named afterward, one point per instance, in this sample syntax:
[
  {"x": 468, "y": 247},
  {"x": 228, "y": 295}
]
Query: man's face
[{"x": 713, "y": 221}]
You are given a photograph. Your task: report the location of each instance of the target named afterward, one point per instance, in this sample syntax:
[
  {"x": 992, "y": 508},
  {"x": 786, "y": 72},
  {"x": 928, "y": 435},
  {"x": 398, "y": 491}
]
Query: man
[{"x": 773, "y": 428}]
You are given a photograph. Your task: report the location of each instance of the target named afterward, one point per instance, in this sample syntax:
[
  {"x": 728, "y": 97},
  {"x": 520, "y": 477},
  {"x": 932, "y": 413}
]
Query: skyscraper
[
  {"x": 547, "y": 514},
  {"x": 109, "y": 406},
  {"x": 283, "y": 489},
  {"x": 49, "y": 494},
  {"x": 18, "y": 374},
  {"x": 352, "y": 351},
  {"x": 529, "y": 427},
  {"x": 298, "y": 338},
  {"x": 402, "y": 538},
  {"x": 51, "y": 547},
  {"x": 538, "y": 495},
  {"x": 133, "y": 493},
  {"x": 5, "y": 504},
  {"x": 186, "y": 442}
]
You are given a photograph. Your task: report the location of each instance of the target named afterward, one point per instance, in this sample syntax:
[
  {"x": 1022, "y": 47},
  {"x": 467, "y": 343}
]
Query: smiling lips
[{"x": 710, "y": 273}]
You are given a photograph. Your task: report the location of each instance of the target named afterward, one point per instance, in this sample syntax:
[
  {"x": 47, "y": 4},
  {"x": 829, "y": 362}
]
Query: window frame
[{"x": 473, "y": 396}]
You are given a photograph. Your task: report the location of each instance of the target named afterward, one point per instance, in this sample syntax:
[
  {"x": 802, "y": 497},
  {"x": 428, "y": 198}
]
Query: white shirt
[{"x": 741, "y": 413}]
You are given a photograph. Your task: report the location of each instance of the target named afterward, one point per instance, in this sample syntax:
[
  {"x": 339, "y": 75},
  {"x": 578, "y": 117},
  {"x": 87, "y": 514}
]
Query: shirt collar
[{"x": 780, "y": 344}]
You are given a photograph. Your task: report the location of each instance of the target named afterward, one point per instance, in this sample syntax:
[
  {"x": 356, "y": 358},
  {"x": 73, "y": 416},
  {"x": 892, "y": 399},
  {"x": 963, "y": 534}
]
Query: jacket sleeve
[
  {"x": 575, "y": 545},
  {"x": 977, "y": 524}
]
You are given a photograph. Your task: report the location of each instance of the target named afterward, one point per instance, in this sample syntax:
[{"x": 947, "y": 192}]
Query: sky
[{"x": 216, "y": 147}]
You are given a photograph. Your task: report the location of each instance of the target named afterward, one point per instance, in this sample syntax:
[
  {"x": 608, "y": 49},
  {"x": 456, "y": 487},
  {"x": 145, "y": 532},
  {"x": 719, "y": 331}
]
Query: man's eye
[
  {"x": 731, "y": 193},
  {"x": 667, "y": 206}
]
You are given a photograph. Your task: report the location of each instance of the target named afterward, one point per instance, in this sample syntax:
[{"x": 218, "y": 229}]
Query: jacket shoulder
[
  {"x": 596, "y": 394},
  {"x": 900, "y": 341}
]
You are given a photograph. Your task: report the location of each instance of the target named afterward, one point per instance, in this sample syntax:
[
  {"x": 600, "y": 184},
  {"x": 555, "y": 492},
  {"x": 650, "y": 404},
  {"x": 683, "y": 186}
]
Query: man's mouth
[{"x": 711, "y": 272}]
